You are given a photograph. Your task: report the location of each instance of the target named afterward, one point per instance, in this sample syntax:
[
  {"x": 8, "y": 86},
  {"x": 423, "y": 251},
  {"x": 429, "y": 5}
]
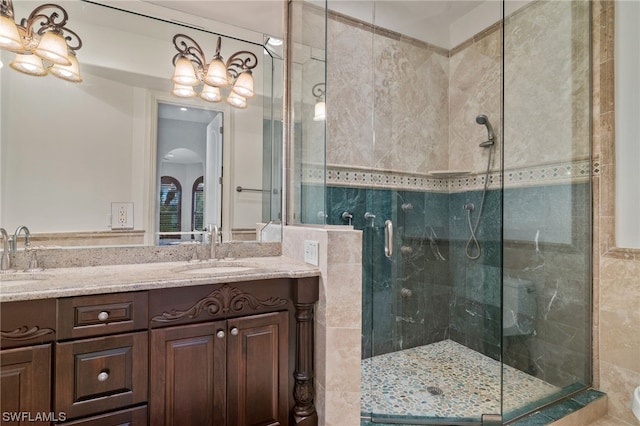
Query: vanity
[{"x": 222, "y": 342}]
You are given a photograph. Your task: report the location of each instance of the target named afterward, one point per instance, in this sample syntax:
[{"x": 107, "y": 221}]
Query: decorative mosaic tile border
[{"x": 547, "y": 174}]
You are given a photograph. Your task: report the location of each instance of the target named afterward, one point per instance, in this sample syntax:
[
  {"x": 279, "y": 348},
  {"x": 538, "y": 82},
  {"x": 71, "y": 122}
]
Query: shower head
[{"x": 483, "y": 120}]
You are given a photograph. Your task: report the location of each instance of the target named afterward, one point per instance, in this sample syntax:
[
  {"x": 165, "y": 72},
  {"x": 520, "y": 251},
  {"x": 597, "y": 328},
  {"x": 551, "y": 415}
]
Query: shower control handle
[
  {"x": 388, "y": 238},
  {"x": 370, "y": 217}
]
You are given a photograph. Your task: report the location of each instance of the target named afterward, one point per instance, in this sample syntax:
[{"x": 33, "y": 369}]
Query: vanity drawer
[
  {"x": 101, "y": 374},
  {"x": 87, "y": 316}
]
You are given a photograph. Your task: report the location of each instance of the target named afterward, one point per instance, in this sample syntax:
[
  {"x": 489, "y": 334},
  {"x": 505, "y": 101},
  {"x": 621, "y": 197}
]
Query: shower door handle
[{"x": 388, "y": 238}]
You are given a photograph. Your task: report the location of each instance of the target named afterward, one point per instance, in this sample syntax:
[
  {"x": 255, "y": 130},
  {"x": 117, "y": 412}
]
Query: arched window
[
  {"x": 197, "y": 205},
  {"x": 170, "y": 206}
]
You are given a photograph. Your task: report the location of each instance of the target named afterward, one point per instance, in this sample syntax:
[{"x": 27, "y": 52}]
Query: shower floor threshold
[{"x": 444, "y": 380}]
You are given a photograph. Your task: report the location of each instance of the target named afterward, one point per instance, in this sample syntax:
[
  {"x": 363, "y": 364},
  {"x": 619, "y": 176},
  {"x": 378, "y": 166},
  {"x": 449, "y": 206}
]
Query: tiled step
[{"x": 582, "y": 409}]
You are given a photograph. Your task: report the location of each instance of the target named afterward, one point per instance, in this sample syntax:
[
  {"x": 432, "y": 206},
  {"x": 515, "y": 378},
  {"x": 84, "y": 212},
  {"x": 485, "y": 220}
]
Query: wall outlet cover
[
  {"x": 311, "y": 252},
  {"x": 121, "y": 215}
]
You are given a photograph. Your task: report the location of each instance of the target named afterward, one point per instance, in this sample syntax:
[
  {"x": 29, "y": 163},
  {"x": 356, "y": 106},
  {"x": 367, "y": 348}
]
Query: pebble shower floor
[{"x": 444, "y": 380}]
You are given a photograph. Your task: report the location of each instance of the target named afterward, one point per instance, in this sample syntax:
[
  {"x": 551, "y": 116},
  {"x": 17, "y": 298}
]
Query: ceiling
[{"x": 415, "y": 18}]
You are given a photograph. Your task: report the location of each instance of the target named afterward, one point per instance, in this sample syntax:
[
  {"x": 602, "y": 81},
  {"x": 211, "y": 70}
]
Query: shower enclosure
[{"x": 457, "y": 139}]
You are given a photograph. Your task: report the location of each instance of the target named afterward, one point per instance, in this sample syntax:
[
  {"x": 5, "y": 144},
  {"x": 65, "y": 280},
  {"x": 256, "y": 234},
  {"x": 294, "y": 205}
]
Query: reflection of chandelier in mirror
[
  {"x": 320, "y": 109},
  {"x": 191, "y": 68},
  {"x": 51, "y": 47}
]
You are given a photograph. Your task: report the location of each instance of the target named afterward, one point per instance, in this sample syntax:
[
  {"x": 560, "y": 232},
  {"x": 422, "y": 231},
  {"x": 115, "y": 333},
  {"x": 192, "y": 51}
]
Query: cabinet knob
[
  {"x": 103, "y": 316},
  {"x": 234, "y": 331},
  {"x": 103, "y": 376},
  {"x": 220, "y": 334}
]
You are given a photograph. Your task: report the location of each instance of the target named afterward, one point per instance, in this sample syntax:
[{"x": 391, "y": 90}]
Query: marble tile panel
[
  {"x": 342, "y": 359},
  {"x": 618, "y": 383}
]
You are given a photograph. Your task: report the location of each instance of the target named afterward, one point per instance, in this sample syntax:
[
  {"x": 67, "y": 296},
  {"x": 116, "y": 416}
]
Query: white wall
[{"x": 627, "y": 129}]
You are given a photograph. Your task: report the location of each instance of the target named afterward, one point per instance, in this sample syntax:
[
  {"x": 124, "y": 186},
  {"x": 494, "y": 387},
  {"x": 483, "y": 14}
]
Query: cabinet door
[
  {"x": 257, "y": 365},
  {"x": 188, "y": 375},
  {"x": 25, "y": 382}
]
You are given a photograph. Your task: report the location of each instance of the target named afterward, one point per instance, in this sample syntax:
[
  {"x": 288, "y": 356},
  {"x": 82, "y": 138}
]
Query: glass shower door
[{"x": 431, "y": 312}]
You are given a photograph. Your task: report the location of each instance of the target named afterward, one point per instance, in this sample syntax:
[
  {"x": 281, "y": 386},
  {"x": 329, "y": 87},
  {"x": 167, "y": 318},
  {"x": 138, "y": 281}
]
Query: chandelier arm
[
  {"x": 237, "y": 63},
  {"x": 188, "y": 48},
  {"x": 6, "y": 9},
  {"x": 54, "y": 21},
  {"x": 318, "y": 90}
]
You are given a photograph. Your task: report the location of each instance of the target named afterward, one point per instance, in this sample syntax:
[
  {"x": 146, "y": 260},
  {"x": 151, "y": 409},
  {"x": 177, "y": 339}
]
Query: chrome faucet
[
  {"x": 5, "y": 264},
  {"x": 214, "y": 239},
  {"x": 14, "y": 239}
]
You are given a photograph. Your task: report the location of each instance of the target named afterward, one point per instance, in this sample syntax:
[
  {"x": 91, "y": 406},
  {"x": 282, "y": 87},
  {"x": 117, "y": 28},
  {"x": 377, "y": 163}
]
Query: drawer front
[
  {"x": 136, "y": 416},
  {"x": 100, "y": 374},
  {"x": 88, "y": 316}
]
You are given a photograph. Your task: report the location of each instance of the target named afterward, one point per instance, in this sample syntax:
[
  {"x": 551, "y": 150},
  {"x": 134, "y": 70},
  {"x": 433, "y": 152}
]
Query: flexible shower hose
[{"x": 473, "y": 245}]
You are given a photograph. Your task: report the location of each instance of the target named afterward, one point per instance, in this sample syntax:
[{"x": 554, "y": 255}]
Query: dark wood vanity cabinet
[
  {"x": 231, "y": 372},
  {"x": 238, "y": 354},
  {"x": 26, "y": 341}
]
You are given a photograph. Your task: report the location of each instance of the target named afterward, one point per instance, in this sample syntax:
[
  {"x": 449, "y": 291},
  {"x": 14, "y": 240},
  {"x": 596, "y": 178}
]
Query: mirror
[{"x": 82, "y": 164}]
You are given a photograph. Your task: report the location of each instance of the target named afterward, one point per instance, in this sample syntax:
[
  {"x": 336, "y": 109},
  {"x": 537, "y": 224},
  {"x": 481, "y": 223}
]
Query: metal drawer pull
[
  {"x": 103, "y": 316},
  {"x": 103, "y": 376},
  {"x": 220, "y": 334},
  {"x": 234, "y": 331}
]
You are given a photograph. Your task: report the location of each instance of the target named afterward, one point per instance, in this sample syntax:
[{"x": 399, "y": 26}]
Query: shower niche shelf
[{"x": 446, "y": 174}]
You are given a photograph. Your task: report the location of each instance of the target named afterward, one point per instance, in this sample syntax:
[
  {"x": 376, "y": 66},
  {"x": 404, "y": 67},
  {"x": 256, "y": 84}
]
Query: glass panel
[
  {"x": 308, "y": 146},
  {"x": 547, "y": 204}
]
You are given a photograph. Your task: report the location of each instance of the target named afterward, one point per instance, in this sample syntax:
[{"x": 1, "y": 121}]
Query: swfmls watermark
[{"x": 27, "y": 416}]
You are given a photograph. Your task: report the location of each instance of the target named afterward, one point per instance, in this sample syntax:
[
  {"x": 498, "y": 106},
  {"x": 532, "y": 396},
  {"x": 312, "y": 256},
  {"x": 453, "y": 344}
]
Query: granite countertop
[{"x": 79, "y": 281}]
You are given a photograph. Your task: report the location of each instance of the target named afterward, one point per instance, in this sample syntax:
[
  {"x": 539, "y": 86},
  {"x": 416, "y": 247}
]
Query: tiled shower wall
[{"x": 433, "y": 129}]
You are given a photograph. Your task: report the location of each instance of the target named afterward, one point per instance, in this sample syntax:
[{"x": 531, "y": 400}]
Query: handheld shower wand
[{"x": 483, "y": 120}]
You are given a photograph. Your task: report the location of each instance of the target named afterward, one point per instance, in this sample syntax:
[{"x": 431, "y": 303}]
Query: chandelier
[
  {"x": 42, "y": 42},
  {"x": 320, "y": 108},
  {"x": 191, "y": 68}
]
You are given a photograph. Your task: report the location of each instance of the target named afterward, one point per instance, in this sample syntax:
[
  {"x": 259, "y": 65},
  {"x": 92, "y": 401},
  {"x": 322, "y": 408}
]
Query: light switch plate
[
  {"x": 311, "y": 252},
  {"x": 121, "y": 215}
]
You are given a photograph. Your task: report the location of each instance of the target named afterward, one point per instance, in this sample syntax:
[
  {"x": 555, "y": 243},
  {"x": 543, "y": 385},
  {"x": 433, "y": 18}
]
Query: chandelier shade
[
  {"x": 29, "y": 64},
  {"x": 211, "y": 93},
  {"x": 184, "y": 73},
  {"x": 9, "y": 35},
  {"x": 53, "y": 48},
  {"x": 236, "y": 100},
  {"x": 68, "y": 72},
  {"x": 183, "y": 91},
  {"x": 244, "y": 85},
  {"x": 217, "y": 74}
]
